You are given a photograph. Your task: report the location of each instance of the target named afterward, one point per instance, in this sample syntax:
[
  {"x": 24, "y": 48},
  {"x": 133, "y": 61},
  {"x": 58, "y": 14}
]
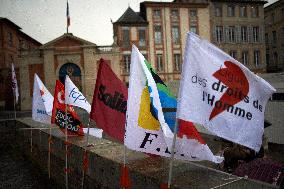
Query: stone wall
[{"x": 105, "y": 160}]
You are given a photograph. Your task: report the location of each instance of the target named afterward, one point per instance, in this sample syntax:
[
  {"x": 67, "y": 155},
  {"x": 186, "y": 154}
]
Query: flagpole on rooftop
[
  {"x": 68, "y": 17},
  {"x": 172, "y": 154}
]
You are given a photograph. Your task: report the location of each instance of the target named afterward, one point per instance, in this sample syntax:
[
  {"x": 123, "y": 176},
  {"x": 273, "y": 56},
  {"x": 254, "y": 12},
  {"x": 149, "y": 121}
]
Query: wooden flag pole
[
  {"x": 85, "y": 151},
  {"x": 49, "y": 152},
  {"x": 66, "y": 149},
  {"x": 15, "y": 113},
  {"x": 172, "y": 154},
  {"x": 31, "y": 141}
]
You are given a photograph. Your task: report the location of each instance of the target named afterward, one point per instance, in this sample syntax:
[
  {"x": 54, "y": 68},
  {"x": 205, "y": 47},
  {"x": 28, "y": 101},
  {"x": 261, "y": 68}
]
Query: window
[
  {"x": 245, "y": 57},
  {"x": 10, "y": 39},
  {"x": 231, "y": 34},
  {"x": 267, "y": 59},
  {"x": 125, "y": 37},
  {"x": 218, "y": 11},
  {"x": 275, "y": 57},
  {"x": 233, "y": 54},
  {"x": 244, "y": 33},
  {"x": 160, "y": 66},
  {"x": 255, "y": 34},
  {"x": 256, "y": 57},
  {"x": 254, "y": 11},
  {"x": 193, "y": 28},
  {"x": 266, "y": 38},
  {"x": 175, "y": 34},
  {"x": 274, "y": 38},
  {"x": 158, "y": 34},
  {"x": 231, "y": 10},
  {"x": 219, "y": 33},
  {"x": 157, "y": 14},
  {"x": 174, "y": 14},
  {"x": 273, "y": 18},
  {"x": 193, "y": 14},
  {"x": 126, "y": 63},
  {"x": 142, "y": 37},
  {"x": 177, "y": 62},
  {"x": 243, "y": 11}
]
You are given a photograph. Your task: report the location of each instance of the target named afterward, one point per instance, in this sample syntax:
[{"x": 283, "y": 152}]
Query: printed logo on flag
[
  {"x": 221, "y": 94},
  {"x": 60, "y": 117}
]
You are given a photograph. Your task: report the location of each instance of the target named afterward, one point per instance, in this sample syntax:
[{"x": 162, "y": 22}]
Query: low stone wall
[{"x": 105, "y": 160}]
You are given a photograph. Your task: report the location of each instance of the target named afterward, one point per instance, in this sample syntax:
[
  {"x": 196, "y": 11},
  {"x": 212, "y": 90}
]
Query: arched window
[{"x": 73, "y": 71}]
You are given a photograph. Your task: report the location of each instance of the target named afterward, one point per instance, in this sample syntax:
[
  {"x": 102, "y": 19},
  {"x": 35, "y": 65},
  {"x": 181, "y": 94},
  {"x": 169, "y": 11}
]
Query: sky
[{"x": 45, "y": 20}]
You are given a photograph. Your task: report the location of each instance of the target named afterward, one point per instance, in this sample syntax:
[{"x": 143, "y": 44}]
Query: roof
[
  {"x": 273, "y": 5},
  {"x": 70, "y": 36},
  {"x": 9, "y": 22},
  {"x": 130, "y": 17},
  {"x": 243, "y": 1},
  {"x": 18, "y": 28}
]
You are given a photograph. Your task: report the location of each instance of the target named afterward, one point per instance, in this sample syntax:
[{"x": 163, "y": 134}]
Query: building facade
[
  {"x": 159, "y": 31},
  {"x": 237, "y": 27},
  {"x": 274, "y": 36},
  {"x": 12, "y": 42},
  {"x": 65, "y": 55}
]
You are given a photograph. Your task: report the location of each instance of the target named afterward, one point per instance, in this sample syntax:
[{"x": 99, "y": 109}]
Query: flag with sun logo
[
  {"x": 42, "y": 102},
  {"x": 148, "y": 129}
]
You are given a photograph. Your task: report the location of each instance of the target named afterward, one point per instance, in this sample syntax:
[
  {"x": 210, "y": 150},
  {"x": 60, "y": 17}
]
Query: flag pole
[
  {"x": 49, "y": 151},
  {"x": 172, "y": 154},
  {"x": 66, "y": 149},
  {"x": 31, "y": 141},
  {"x": 85, "y": 151}
]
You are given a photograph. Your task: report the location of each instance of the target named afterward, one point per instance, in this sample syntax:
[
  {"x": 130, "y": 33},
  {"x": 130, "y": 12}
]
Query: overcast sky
[{"x": 45, "y": 20}]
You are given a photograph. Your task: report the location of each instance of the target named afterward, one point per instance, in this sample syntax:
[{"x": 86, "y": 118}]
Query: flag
[
  {"x": 42, "y": 102},
  {"x": 109, "y": 102},
  {"x": 68, "y": 15},
  {"x": 148, "y": 128},
  {"x": 220, "y": 93},
  {"x": 74, "y": 97},
  {"x": 74, "y": 126},
  {"x": 15, "y": 84}
]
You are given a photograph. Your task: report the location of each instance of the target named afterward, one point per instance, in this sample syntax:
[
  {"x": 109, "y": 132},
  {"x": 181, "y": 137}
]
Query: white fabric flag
[
  {"x": 15, "y": 84},
  {"x": 94, "y": 132},
  {"x": 42, "y": 102},
  {"x": 146, "y": 129},
  {"x": 74, "y": 97},
  {"x": 220, "y": 93}
]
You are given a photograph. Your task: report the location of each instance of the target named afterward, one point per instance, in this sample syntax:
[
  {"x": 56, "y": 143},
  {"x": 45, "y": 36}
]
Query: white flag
[
  {"x": 15, "y": 84},
  {"x": 74, "y": 97},
  {"x": 148, "y": 130},
  {"x": 42, "y": 102},
  {"x": 94, "y": 132},
  {"x": 220, "y": 93}
]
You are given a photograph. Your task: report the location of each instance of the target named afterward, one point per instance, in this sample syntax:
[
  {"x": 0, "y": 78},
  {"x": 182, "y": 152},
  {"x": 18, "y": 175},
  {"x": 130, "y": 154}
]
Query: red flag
[
  {"x": 74, "y": 126},
  {"x": 109, "y": 102}
]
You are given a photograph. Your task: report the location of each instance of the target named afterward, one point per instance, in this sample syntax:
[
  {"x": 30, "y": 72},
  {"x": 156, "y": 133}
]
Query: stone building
[
  {"x": 274, "y": 36},
  {"x": 237, "y": 27},
  {"x": 159, "y": 31},
  {"x": 12, "y": 42},
  {"x": 66, "y": 54}
]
